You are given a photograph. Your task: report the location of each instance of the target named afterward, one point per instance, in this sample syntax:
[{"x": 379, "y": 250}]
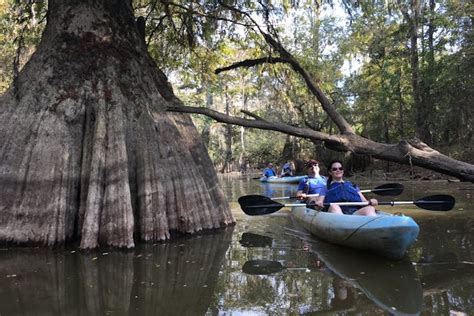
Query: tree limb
[
  {"x": 252, "y": 62},
  {"x": 255, "y": 116},
  {"x": 254, "y": 123},
  {"x": 410, "y": 152},
  {"x": 403, "y": 152},
  {"x": 343, "y": 126}
]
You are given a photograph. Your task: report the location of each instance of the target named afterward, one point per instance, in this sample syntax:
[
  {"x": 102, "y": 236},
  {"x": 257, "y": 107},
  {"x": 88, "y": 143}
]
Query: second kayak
[{"x": 293, "y": 179}]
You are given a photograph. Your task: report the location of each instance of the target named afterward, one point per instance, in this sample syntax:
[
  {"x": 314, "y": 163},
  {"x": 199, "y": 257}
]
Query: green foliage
[
  {"x": 382, "y": 89},
  {"x": 21, "y": 23},
  {"x": 189, "y": 40}
]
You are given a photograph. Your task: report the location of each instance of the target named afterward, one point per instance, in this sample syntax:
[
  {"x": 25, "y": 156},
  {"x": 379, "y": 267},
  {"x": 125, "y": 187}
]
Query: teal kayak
[
  {"x": 385, "y": 234},
  {"x": 294, "y": 179}
]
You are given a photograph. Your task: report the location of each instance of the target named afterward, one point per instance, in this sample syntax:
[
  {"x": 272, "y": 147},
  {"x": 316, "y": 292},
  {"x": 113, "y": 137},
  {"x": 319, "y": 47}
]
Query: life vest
[
  {"x": 268, "y": 172},
  {"x": 342, "y": 192},
  {"x": 312, "y": 185}
]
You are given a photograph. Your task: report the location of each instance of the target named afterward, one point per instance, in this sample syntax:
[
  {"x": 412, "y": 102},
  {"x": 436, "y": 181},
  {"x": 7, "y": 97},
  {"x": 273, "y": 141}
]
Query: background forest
[{"x": 393, "y": 69}]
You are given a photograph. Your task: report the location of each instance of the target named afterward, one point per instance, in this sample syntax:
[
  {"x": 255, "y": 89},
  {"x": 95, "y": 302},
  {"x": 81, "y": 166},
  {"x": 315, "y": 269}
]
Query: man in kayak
[
  {"x": 338, "y": 190},
  {"x": 312, "y": 184},
  {"x": 286, "y": 170},
  {"x": 269, "y": 171}
]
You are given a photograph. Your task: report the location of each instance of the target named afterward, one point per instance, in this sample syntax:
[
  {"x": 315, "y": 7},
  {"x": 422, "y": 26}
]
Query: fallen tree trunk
[{"x": 409, "y": 152}]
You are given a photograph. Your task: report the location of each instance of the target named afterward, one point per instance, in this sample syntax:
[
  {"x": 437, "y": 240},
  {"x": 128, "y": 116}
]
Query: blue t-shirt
[
  {"x": 310, "y": 185},
  {"x": 269, "y": 172}
]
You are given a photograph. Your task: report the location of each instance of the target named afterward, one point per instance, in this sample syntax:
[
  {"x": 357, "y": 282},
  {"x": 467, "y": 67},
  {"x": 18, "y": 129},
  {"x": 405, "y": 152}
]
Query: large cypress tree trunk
[{"x": 87, "y": 151}]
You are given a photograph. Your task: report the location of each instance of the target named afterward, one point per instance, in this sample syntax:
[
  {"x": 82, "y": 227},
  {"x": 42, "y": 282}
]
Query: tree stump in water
[{"x": 88, "y": 152}]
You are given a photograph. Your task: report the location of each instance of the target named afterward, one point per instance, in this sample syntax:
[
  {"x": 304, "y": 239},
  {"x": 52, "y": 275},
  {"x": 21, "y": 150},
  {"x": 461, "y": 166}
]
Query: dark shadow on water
[{"x": 255, "y": 240}]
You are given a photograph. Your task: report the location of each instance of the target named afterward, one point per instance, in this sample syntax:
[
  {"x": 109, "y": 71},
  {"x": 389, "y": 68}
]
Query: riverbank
[
  {"x": 397, "y": 172},
  {"x": 380, "y": 170}
]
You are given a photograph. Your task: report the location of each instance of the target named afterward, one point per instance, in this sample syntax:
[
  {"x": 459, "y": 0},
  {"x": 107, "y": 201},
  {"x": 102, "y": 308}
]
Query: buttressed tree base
[{"x": 88, "y": 152}]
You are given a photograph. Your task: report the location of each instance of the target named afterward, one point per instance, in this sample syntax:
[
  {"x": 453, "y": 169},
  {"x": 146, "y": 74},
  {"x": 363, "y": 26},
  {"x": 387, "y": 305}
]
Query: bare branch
[
  {"x": 255, "y": 123},
  {"x": 152, "y": 33},
  {"x": 252, "y": 62},
  {"x": 255, "y": 116},
  {"x": 241, "y": 12},
  {"x": 193, "y": 11},
  {"x": 343, "y": 126},
  {"x": 153, "y": 6}
]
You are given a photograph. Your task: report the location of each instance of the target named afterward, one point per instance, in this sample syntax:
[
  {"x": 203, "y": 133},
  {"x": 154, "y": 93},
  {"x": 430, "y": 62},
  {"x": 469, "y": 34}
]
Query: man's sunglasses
[{"x": 335, "y": 169}]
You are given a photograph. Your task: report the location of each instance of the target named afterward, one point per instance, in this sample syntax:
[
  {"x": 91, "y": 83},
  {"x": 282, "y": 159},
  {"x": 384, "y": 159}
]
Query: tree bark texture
[{"x": 87, "y": 150}]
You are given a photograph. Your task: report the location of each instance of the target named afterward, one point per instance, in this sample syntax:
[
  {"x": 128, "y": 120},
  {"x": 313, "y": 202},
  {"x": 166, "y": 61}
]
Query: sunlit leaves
[
  {"x": 190, "y": 39},
  {"x": 383, "y": 88},
  {"x": 21, "y": 24}
]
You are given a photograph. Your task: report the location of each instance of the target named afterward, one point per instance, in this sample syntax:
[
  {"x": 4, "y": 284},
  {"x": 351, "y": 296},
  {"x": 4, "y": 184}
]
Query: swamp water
[{"x": 264, "y": 265}]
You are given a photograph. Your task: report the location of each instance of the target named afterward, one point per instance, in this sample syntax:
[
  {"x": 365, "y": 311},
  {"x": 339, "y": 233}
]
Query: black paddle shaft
[
  {"x": 254, "y": 205},
  {"x": 389, "y": 189},
  {"x": 440, "y": 202}
]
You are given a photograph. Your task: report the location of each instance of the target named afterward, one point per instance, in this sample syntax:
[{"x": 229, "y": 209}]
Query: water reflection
[
  {"x": 392, "y": 285},
  {"x": 440, "y": 264},
  {"x": 255, "y": 240},
  {"x": 204, "y": 275},
  {"x": 277, "y": 189},
  {"x": 259, "y": 267},
  {"x": 166, "y": 279},
  {"x": 444, "y": 259}
]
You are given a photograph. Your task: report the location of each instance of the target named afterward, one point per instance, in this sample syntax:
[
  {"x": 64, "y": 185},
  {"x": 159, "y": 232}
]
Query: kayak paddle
[
  {"x": 256, "y": 267},
  {"x": 261, "y": 205},
  {"x": 388, "y": 189}
]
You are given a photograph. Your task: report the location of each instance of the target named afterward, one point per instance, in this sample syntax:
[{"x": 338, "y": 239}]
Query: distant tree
[{"x": 410, "y": 151}]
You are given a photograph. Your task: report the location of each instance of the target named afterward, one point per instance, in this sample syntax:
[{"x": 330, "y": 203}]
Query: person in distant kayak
[
  {"x": 338, "y": 190},
  {"x": 286, "y": 170},
  {"x": 312, "y": 184},
  {"x": 269, "y": 171}
]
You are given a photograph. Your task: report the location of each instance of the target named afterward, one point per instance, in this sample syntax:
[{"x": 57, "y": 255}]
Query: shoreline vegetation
[
  {"x": 396, "y": 172},
  {"x": 417, "y": 174},
  {"x": 389, "y": 171}
]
